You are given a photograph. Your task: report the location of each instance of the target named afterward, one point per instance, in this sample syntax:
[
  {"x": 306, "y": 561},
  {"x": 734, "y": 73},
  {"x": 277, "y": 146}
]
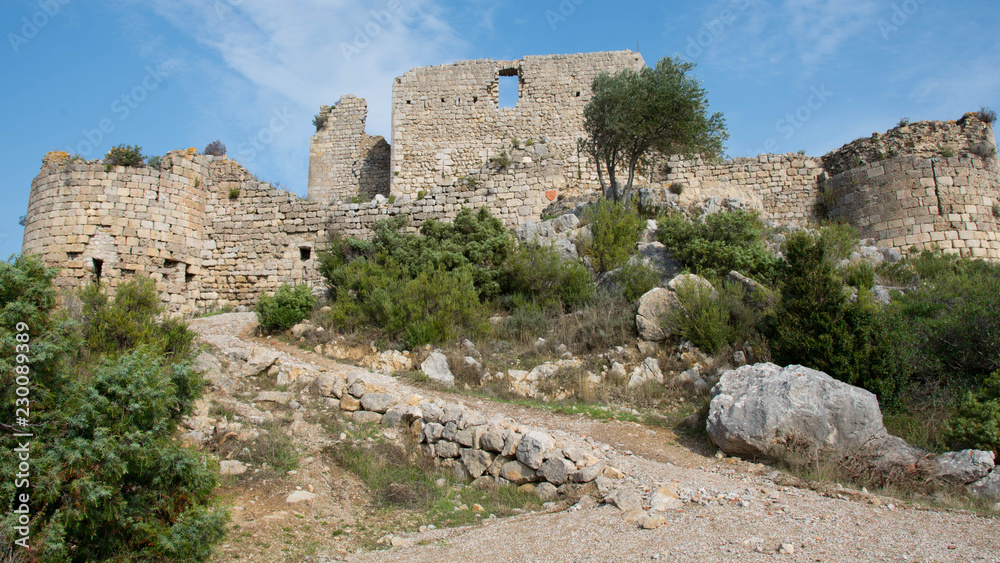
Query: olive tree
[{"x": 633, "y": 113}]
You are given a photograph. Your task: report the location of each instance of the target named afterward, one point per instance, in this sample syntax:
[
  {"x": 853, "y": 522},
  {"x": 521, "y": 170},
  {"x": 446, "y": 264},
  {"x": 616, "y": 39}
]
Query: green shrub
[
  {"x": 676, "y": 188},
  {"x": 234, "y": 193},
  {"x": 526, "y": 323},
  {"x": 125, "y": 155},
  {"x": 946, "y": 151},
  {"x": 719, "y": 243},
  {"x": 839, "y": 240},
  {"x": 700, "y": 316},
  {"x": 616, "y": 228},
  {"x": 107, "y": 480},
  {"x": 859, "y": 274},
  {"x": 153, "y": 162},
  {"x": 952, "y": 320},
  {"x": 817, "y": 326},
  {"x": 541, "y": 274},
  {"x": 976, "y": 424},
  {"x": 320, "y": 119},
  {"x": 440, "y": 305},
  {"x": 128, "y": 321},
  {"x": 635, "y": 279},
  {"x": 286, "y": 308}
]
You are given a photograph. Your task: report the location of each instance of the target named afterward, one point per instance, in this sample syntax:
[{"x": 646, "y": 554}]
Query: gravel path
[{"x": 736, "y": 511}]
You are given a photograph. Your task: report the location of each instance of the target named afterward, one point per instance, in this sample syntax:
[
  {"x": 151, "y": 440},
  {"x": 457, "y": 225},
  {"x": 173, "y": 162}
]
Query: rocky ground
[{"x": 677, "y": 501}]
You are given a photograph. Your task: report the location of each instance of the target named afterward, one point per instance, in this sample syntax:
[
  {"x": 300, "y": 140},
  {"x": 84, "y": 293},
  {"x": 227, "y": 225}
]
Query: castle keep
[{"x": 212, "y": 235}]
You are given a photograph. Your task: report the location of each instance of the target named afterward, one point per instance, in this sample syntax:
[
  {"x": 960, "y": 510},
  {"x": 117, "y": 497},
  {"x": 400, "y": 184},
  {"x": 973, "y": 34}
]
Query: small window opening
[
  {"x": 475, "y": 99},
  {"x": 126, "y": 272},
  {"x": 98, "y": 269},
  {"x": 304, "y": 253},
  {"x": 442, "y": 100},
  {"x": 188, "y": 277},
  {"x": 577, "y": 94},
  {"x": 168, "y": 263},
  {"x": 73, "y": 255},
  {"x": 407, "y": 102},
  {"x": 509, "y": 85}
]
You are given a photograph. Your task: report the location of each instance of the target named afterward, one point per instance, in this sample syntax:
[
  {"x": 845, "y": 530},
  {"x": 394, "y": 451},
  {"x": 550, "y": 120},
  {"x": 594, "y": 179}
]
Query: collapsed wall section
[
  {"x": 447, "y": 120},
  {"x": 344, "y": 161}
]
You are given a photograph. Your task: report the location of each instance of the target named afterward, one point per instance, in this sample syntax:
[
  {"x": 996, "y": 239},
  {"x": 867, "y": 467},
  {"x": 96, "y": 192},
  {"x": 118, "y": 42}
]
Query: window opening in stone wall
[
  {"x": 98, "y": 269},
  {"x": 475, "y": 99},
  {"x": 509, "y": 88},
  {"x": 305, "y": 253},
  {"x": 577, "y": 94}
]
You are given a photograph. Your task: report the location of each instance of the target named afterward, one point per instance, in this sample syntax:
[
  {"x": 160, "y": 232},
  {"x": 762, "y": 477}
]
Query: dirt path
[{"x": 737, "y": 511}]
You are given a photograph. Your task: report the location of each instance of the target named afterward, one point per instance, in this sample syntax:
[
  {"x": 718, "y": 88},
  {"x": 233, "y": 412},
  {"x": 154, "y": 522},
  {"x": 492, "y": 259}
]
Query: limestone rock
[
  {"x": 476, "y": 461},
  {"x": 653, "y": 306},
  {"x": 366, "y": 417},
  {"x": 625, "y": 500},
  {"x": 546, "y": 491},
  {"x": 556, "y": 470},
  {"x": 988, "y": 486},
  {"x": 517, "y": 472},
  {"x": 587, "y": 474},
  {"x": 436, "y": 368},
  {"x": 648, "y": 370},
  {"x": 231, "y": 467},
  {"x": 965, "y": 466},
  {"x": 763, "y": 409},
  {"x": 378, "y": 402},
  {"x": 300, "y": 496},
  {"x": 691, "y": 280},
  {"x": 532, "y": 448}
]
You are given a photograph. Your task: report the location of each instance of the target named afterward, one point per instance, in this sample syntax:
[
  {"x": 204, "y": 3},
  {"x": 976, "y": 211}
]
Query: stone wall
[
  {"x": 344, "y": 161},
  {"x": 783, "y": 187},
  {"x": 446, "y": 119},
  {"x": 912, "y": 201},
  {"x": 926, "y": 139}
]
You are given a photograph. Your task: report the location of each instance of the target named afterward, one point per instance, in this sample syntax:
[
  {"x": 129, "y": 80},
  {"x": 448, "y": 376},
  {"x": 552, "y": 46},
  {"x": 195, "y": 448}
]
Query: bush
[
  {"x": 153, "y": 162},
  {"x": 215, "y": 148},
  {"x": 839, "y": 240},
  {"x": 816, "y": 325},
  {"x": 125, "y": 155},
  {"x": 616, "y": 228},
  {"x": 713, "y": 319},
  {"x": 541, "y": 274},
  {"x": 128, "y": 321},
  {"x": 986, "y": 115},
  {"x": 525, "y": 324},
  {"x": 976, "y": 424},
  {"x": 107, "y": 480},
  {"x": 952, "y": 319},
  {"x": 720, "y": 243},
  {"x": 234, "y": 193},
  {"x": 605, "y": 322},
  {"x": 635, "y": 279},
  {"x": 984, "y": 150},
  {"x": 440, "y": 305},
  {"x": 320, "y": 119},
  {"x": 286, "y": 308}
]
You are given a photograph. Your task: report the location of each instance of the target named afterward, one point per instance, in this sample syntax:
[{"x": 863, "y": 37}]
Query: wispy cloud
[
  {"x": 311, "y": 52},
  {"x": 819, "y": 28}
]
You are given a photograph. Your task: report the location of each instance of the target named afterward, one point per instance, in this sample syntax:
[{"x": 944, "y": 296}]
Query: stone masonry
[{"x": 212, "y": 236}]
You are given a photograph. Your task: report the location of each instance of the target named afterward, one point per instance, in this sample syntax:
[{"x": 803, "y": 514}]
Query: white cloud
[{"x": 819, "y": 28}]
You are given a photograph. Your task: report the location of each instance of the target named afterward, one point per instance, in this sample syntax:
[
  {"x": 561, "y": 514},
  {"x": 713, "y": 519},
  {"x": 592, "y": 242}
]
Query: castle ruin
[{"x": 211, "y": 235}]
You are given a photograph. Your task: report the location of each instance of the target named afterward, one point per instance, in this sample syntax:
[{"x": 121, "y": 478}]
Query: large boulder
[
  {"x": 435, "y": 367},
  {"x": 965, "y": 466},
  {"x": 653, "y": 306},
  {"x": 764, "y": 409}
]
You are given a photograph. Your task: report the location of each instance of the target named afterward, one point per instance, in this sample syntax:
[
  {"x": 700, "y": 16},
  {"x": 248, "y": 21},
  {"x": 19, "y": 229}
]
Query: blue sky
[{"x": 83, "y": 76}]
